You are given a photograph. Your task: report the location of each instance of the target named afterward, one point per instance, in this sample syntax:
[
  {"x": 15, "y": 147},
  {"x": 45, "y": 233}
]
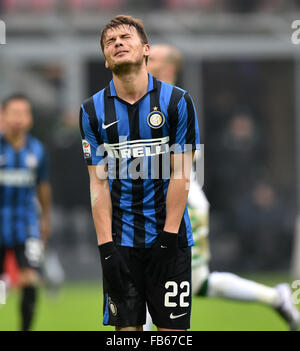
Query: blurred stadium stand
[
  {"x": 234, "y": 6},
  {"x": 244, "y": 75}
]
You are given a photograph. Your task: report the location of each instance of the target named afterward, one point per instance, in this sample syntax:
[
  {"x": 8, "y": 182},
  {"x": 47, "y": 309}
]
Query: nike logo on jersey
[
  {"x": 172, "y": 316},
  {"x": 105, "y": 126},
  {"x": 106, "y": 258}
]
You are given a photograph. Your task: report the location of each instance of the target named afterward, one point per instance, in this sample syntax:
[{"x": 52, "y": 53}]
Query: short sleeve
[
  {"x": 92, "y": 144},
  {"x": 186, "y": 130}
]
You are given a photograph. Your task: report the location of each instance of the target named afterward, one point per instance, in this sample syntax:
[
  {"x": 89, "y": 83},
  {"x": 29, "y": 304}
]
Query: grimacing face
[
  {"x": 17, "y": 116},
  {"x": 123, "y": 47}
]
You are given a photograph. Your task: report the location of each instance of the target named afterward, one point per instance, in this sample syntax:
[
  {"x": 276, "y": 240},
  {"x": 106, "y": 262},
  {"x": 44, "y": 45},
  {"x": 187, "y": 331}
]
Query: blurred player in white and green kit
[{"x": 164, "y": 63}]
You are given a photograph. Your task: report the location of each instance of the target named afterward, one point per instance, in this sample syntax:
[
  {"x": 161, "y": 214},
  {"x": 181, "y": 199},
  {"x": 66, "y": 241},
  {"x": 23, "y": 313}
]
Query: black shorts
[
  {"x": 19, "y": 251},
  {"x": 169, "y": 303}
]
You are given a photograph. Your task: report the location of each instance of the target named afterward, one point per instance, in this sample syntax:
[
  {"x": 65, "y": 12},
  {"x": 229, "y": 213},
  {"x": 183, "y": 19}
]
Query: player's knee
[
  {"x": 135, "y": 328},
  {"x": 171, "y": 330},
  {"x": 218, "y": 282},
  {"x": 28, "y": 277}
]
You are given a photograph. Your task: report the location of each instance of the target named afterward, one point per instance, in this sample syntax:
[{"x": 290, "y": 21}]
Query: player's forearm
[
  {"x": 101, "y": 210},
  {"x": 45, "y": 198},
  {"x": 175, "y": 203}
]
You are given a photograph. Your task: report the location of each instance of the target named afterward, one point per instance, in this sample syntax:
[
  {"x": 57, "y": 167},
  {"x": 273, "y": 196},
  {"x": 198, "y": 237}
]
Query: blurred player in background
[
  {"x": 164, "y": 63},
  {"x": 142, "y": 224},
  {"x": 23, "y": 179}
]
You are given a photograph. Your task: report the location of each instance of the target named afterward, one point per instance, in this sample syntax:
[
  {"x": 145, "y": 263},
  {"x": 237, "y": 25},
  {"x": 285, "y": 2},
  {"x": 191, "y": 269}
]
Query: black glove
[
  {"x": 114, "y": 268},
  {"x": 163, "y": 257}
]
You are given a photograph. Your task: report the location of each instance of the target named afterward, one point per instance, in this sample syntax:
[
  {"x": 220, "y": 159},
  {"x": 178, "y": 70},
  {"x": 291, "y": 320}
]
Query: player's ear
[
  {"x": 106, "y": 64},
  {"x": 146, "y": 50}
]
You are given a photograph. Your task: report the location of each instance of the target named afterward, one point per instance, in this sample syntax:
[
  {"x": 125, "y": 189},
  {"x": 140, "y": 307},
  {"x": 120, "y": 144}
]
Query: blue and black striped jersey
[
  {"x": 20, "y": 172},
  {"x": 135, "y": 141}
]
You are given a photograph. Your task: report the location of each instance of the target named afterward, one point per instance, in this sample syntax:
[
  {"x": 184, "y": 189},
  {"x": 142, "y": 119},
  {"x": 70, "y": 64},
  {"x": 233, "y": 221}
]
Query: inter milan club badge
[
  {"x": 31, "y": 161},
  {"x": 155, "y": 119}
]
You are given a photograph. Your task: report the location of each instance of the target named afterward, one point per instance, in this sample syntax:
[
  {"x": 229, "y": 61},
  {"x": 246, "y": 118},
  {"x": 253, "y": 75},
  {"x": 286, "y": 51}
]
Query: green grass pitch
[{"x": 78, "y": 306}]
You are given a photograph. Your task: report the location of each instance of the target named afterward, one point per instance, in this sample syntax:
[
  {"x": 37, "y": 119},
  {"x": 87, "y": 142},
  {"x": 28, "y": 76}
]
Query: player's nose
[{"x": 118, "y": 42}]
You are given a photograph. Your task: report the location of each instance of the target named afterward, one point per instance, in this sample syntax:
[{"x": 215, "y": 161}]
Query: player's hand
[
  {"x": 163, "y": 257},
  {"x": 34, "y": 251},
  {"x": 114, "y": 268}
]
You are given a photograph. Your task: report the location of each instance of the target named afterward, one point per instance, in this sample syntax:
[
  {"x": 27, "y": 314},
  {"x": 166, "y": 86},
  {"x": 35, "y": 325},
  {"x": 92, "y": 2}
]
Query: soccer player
[
  {"x": 164, "y": 63},
  {"x": 139, "y": 135},
  {"x": 23, "y": 178}
]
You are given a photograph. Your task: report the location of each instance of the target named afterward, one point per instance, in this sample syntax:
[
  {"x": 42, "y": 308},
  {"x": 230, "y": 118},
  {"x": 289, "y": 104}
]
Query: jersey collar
[{"x": 152, "y": 85}]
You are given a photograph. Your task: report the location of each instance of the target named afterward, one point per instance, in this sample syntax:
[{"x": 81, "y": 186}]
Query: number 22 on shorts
[{"x": 185, "y": 292}]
